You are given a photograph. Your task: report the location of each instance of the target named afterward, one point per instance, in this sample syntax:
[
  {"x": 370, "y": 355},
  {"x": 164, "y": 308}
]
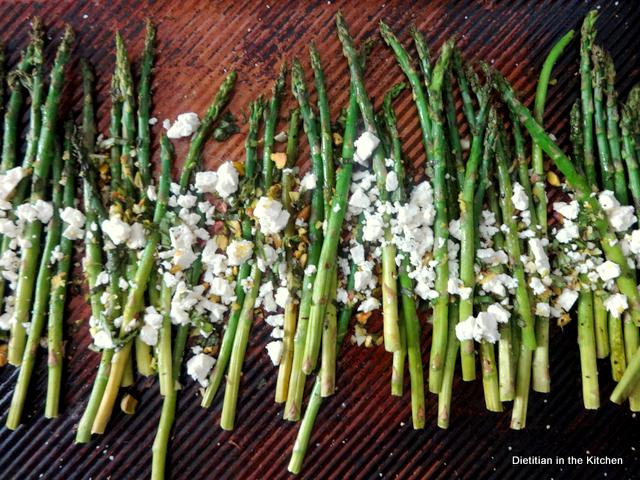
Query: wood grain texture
[{"x": 362, "y": 432}]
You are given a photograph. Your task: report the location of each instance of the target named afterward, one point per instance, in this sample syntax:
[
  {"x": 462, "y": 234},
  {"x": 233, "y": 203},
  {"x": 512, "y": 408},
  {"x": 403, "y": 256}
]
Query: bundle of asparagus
[{"x": 173, "y": 268}]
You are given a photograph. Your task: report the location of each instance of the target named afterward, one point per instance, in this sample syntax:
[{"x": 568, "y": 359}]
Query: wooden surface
[{"x": 361, "y": 432}]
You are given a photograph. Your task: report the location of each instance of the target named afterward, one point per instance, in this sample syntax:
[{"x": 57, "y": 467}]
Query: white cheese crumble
[
  {"x": 365, "y": 146},
  {"x": 519, "y": 197},
  {"x": 184, "y": 126},
  {"x": 239, "y": 251},
  {"x": 74, "y": 219},
  {"x": 227, "y": 182},
  {"x": 616, "y": 304},
  {"x": 270, "y": 215},
  {"x": 274, "y": 350},
  {"x": 206, "y": 181},
  {"x": 308, "y": 182},
  {"x": 199, "y": 366}
]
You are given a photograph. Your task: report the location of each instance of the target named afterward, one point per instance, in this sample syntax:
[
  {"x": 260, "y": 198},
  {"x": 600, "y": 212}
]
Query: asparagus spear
[
  {"x": 304, "y": 328},
  {"x": 310, "y": 316},
  {"x": 42, "y": 288},
  {"x": 41, "y": 170},
  {"x": 143, "y": 151},
  {"x": 604, "y": 153},
  {"x": 128, "y": 126},
  {"x": 96, "y": 214},
  {"x": 409, "y": 318},
  {"x": 296, "y": 383},
  {"x": 629, "y": 152},
  {"x": 477, "y": 123},
  {"x": 315, "y": 399},
  {"x": 217, "y": 375},
  {"x": 93, "y": 265},
  {"x": 587, "y": 346},
  {"x": 272, "y": 113},
  {"x": 391, "y": 329},
  {"x": 291, "y": 307},
  {"x": 58, "y": 294},
  {"x": 586, "y": 93},
  {"x": 245, "y": 321},
  {"x": 541, "y": 379},
  {"x": 538, "y": 112},
  {"x": 326, "y": 140}
]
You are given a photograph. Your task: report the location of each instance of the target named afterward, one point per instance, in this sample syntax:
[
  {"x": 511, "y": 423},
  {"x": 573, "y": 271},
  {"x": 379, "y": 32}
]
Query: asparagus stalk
[
  {"x": 629, "y": 153},
  {"x": 270, "y": 123},
  {"x": 245, "y": 321},
  {"x": 41, "y": 170},
  {"x": 143, "y": 151},
  {"x": 41, "y": 297},
  {"x": 93, "y": 265},
  {"x": 315, "y": 399},
  {"x": 326, "y": 140},
  {"x": 587, "y": 346},
  {"x": 446, "y": 388},
  {"x": 410, "y": 326},
  {"x": 539, "y": 191},
  {"x": 240, "y": 341},
  {"x": 217, "y": 375},
  {"x": 311, "y": 313},
  {"x": 128, "y": 126},
  {"x": 610, "y": 246},
  {"x": 467, "y": 217},
  {"x": 586, "y": 94},
  {"x": 58, "y": 294},
  {"x": 604, "y": 153},
  {"x": 291, "y": 307},
  {"x": 391, "y": 329},
  {"x": 541, "y": 379}
]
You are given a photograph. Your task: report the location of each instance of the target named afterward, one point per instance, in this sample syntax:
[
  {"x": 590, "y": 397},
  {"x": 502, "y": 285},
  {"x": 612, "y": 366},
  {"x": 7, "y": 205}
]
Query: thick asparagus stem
[
  {"x": 587, "y": 345},
  {"x": 541, "y": 378},
  {"x": 217, "y": 375},
  {"x": 444, "y": 396},
  {"x": 513, "y": 246},
  {"x": 314, "y": 301},
  {"x": 604, "y": 153},
  {"x": 271, "y": 119},
  {"x": 468, "y": 221},
  {"x": 60, "y": 281},
  {"x": 586, "y": 94},
  {"x": 228, "y": 416},
  {"x": 32, "y": 61},
  {"x": 41, "y": 170},
  {"x": 629, "y": 152},
  {"x": 315, "y": 399},
  {"x": 143, "y": 151},
  {"x": 410, "y": 326},
  {"x": 291, "y": 307},
  {"x": 391, "y": 329}
]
